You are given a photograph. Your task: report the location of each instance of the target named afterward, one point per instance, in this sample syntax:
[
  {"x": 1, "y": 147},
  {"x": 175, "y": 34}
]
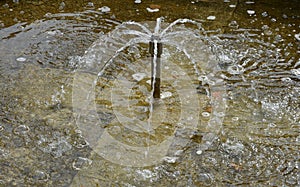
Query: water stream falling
[{"x": 109, "y": 56}]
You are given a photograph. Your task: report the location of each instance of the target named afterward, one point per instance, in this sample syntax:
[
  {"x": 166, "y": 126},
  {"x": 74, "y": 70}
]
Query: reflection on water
[{"x": 257, "y": 44}]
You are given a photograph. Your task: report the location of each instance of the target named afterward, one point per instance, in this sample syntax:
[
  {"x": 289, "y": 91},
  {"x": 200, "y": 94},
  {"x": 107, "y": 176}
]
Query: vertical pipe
[{"x": 156, "y": 93}]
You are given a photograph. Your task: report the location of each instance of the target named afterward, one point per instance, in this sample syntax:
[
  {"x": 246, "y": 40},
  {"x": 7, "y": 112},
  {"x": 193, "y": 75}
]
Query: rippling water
[{"x": 256, "y": 43}]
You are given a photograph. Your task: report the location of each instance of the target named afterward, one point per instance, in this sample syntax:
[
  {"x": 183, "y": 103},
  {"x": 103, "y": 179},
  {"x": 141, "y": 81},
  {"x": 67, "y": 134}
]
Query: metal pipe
[{"x": 156, "y": 85}]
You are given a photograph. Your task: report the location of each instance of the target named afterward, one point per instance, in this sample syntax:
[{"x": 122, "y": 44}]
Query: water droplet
[
  {"x": 211, "y": 18},
  {"x": 251, "y": 12},
  {"x": 81, "y": 163},
  {"x": 21, "y": 59},
  {"x": 104, "y": 9}
]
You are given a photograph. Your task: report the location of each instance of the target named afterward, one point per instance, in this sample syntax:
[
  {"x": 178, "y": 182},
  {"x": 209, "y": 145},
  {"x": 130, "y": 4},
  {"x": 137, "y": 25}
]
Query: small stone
[
  {"x": 138, "y": 1},
  {"x": 199, "y": 152}
]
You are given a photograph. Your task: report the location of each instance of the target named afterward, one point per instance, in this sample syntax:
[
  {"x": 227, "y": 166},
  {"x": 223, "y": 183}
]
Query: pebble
[
  {"x": 21, "y": 59},
  {"x": 138, "y": 1},
  {"x": 211, "y": 18}
]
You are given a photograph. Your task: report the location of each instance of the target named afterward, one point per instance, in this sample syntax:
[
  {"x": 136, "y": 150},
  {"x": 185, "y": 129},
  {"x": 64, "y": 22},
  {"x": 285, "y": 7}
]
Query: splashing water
[{"x": 110, "y": 59}]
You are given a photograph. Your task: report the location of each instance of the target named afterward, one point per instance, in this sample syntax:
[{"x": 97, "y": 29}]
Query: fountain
[{"x": 115, "y": 107}]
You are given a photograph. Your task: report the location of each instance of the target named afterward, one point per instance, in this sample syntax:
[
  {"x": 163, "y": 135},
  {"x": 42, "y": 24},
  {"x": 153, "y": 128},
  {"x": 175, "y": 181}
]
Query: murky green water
[{"x": 256, "y": 42}]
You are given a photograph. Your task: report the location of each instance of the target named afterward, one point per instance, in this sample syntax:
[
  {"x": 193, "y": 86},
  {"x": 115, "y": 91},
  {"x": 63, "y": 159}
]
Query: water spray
[{"x": 155, "y": 49}]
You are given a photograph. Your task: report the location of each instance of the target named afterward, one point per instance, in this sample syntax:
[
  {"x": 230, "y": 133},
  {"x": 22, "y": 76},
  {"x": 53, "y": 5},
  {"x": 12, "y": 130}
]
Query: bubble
[
  {"x": 235, "y": 118},
  {"x": 297, "y": 36},
  {"x": 251, "y": 12},
  {"x": 104, "y": 9},
  {"x": 81, "y": 163},
  {"x": 249, "y": 2},
  {"x": 21, "y": 130},
  {"x": 264, "y": 14},
  {"x": 80, "y": 142},
  {"x": 90, "y": 4},
  {"x": 205, "y": 114},
  {"x": 233, "y": 24},
  {"x": 40, "y": 176},
  {"x": 199, "y": 152},
  {"x": 211, "y": 18},
  {"x": 170, "y": 160},
  {"x": 21, "y": 59},
  {"x": 62, "y": 6},
  {"x": 273, "y": 20},
  {"x": 152, "y": 10}
]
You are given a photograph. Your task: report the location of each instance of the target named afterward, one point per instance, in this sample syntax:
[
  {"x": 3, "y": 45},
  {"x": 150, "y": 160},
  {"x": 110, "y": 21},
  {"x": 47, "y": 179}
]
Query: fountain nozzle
[{"x": 155, "y": 52}]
